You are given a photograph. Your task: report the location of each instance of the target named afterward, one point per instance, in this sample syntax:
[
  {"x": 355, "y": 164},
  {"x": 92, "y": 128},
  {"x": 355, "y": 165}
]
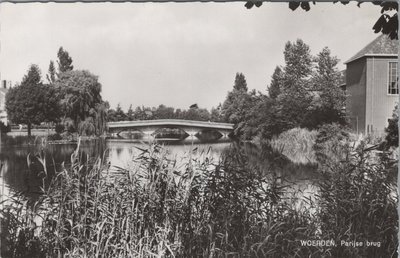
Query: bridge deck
[{"x": 170, "y": 122}]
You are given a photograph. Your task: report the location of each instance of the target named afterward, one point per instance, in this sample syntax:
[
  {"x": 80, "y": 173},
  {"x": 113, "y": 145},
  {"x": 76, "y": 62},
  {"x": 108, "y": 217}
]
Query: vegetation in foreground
[{"x": 204, "y": 208}]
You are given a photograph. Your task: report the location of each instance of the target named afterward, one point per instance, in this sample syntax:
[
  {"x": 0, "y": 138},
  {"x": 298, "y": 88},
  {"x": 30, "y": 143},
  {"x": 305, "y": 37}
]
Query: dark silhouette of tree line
[{"x": 164, "y": 112}]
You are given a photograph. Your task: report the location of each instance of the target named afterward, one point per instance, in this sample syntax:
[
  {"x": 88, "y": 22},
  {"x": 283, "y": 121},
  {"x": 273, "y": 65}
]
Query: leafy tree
[
  {"x": 120, "y": 114},
  {"x": 216, "y": 113},
  {"x": 64, "y": 61},
  {"x": 329, "y": 100},
  {"x": 100, "y": 118},
  {"x": 274, "y": 88},
  {"x": 237, "y": 104},
  {"x": 130, "y": 114},
  {"x": 194, "y": 106},
  {"x": 196, "y": 113},
  {"x": 80, "y": 93},
  {"x": 387, "y": 23},
  {"x": 164, "y": 112},
  {"x": 293, "y": 101},
  {"x": 32, "y": 102},
  {"x": 111, "y": 115},
  {"x": 33, "y": 77},
  {"x": 240, "y": 83},
  {"x": 51, "y": 76}
]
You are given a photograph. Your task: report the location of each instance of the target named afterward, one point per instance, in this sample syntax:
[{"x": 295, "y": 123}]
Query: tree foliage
[
  {"x": 387, "y": 23},
  {"x": 194, "y": 112},
  {"x": 80, "y": 93},
  {"x": 32, "y": 102},
  {"x": 392, "y": 131},
  {"x": 274, "y": 88},
  {"x": 51, "y": 75},
  {"x": 304, "y": 92},
  {"x": 64, "y": 61}
]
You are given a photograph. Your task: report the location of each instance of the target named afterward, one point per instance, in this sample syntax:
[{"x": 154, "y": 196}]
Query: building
[
  {"x": 372, "y": 85},
  {"x": 5, "y": 85}
]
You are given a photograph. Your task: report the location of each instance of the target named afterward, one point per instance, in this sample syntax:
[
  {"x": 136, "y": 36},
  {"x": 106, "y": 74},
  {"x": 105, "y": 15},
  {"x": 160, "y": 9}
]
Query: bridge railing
[{"x": 178, "y": 122}]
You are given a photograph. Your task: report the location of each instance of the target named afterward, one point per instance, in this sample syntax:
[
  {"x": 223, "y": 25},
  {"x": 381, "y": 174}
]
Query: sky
[{"x": 175, "y": 54}]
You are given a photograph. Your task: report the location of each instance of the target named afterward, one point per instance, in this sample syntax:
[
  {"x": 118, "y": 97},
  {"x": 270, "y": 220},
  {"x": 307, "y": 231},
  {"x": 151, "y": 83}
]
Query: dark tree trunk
[{"x": 29, "y": 130}]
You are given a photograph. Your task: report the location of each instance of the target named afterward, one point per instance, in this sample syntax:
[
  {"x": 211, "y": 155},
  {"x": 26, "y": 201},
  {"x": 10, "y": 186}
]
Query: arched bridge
[{"x": 149, "y": 127}]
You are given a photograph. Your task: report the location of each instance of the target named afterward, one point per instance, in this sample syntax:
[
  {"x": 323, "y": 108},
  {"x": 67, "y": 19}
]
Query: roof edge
[{"x": 371, "y": 55}]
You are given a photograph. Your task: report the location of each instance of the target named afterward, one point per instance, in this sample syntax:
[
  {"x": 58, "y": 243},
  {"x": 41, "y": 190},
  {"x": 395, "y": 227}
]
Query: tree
[
  {"x": 100, "y": 119},
  {"x": 294, "y": 98},
  {"x": 274, "y": 88},
  {"x": 237, "y": 103},
  {"x": 329, "y": 99},
  {"x": 119, "y": 114},
  {"x": 216, "y": 115},
  {"x": 164, "y": 112},
  {"x": 387, "y": 22},
  {"x": 32, "y": 102},
  {"x": 64, "y": 61},
  {"x": 51, "y": 76},
  {"x": 130, "y": 114},
  {"x": 80, "y": 93},
  {"x": 240, "y": 83}
]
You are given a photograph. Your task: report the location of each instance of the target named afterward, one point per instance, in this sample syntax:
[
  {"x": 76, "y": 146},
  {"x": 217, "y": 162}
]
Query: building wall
[
  {"x": 356, "y": 94},
  {"x": 379, "y": 104}
]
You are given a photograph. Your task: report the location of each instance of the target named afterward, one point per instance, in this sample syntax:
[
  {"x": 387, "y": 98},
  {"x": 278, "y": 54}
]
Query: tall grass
[{"x": 202, "y": 208}]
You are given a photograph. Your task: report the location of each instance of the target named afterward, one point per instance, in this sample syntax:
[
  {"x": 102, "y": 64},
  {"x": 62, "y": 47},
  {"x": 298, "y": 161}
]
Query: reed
[{"x": 202, "y": 208}]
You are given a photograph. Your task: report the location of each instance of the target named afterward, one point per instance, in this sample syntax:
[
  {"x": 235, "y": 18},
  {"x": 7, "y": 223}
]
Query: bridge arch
[{"x": 192, "y": 128}]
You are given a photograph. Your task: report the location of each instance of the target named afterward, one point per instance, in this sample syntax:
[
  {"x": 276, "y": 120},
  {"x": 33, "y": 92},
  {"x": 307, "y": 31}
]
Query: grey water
[{"x": 17, "y": 177}]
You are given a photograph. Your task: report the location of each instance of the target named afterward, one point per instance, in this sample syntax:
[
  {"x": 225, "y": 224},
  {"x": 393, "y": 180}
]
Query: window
[{"x": 393, "y": 79}]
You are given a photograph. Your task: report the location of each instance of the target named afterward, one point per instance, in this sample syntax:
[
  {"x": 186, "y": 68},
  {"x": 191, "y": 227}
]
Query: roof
[{"x": 381, "y": 46}]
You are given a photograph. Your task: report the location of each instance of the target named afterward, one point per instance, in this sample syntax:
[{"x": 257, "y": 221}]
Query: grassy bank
[{"x": 203, "y": 208}]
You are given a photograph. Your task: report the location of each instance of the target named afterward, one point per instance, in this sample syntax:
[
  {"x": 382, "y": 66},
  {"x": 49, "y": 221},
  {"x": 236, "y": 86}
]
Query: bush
[
  {"x": 54, "y": 137},
  {"x": 330, "y": 141},
  {"x": 392, "y": 131},
  {"x": 59, "y": 128},
  {"x": 4, "y": 128},
  {"x": 86, "y": 128}
]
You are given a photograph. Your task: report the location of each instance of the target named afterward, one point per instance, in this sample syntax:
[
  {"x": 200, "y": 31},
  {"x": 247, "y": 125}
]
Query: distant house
[
  {"x": 372, "y": 85},
  {"x": 3, "y": 91}
]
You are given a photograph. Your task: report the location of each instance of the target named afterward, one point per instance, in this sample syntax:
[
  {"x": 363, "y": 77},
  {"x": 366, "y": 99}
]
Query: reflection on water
[{"x": 17, "y": 176}]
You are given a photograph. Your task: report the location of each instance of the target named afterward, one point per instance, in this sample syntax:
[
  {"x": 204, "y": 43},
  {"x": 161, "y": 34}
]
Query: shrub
[
  {"x": 330, "y": 142},
  {"x": 59, "y": 128},
  {"x": 4, "y": 128},
  {"x": 86, "y": 128},
  {"x": 54, "y": 137},
  {"x": 392, "y": 131}
]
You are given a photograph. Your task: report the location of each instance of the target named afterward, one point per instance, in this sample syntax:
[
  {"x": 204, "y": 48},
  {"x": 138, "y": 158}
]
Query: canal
[{"x": 22, "y": 172}]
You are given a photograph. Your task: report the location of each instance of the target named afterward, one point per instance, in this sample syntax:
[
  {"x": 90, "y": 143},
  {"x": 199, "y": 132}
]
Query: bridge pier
[
  {"x": 192, "y": 133},
  {"x": 148, "y": 134}
]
